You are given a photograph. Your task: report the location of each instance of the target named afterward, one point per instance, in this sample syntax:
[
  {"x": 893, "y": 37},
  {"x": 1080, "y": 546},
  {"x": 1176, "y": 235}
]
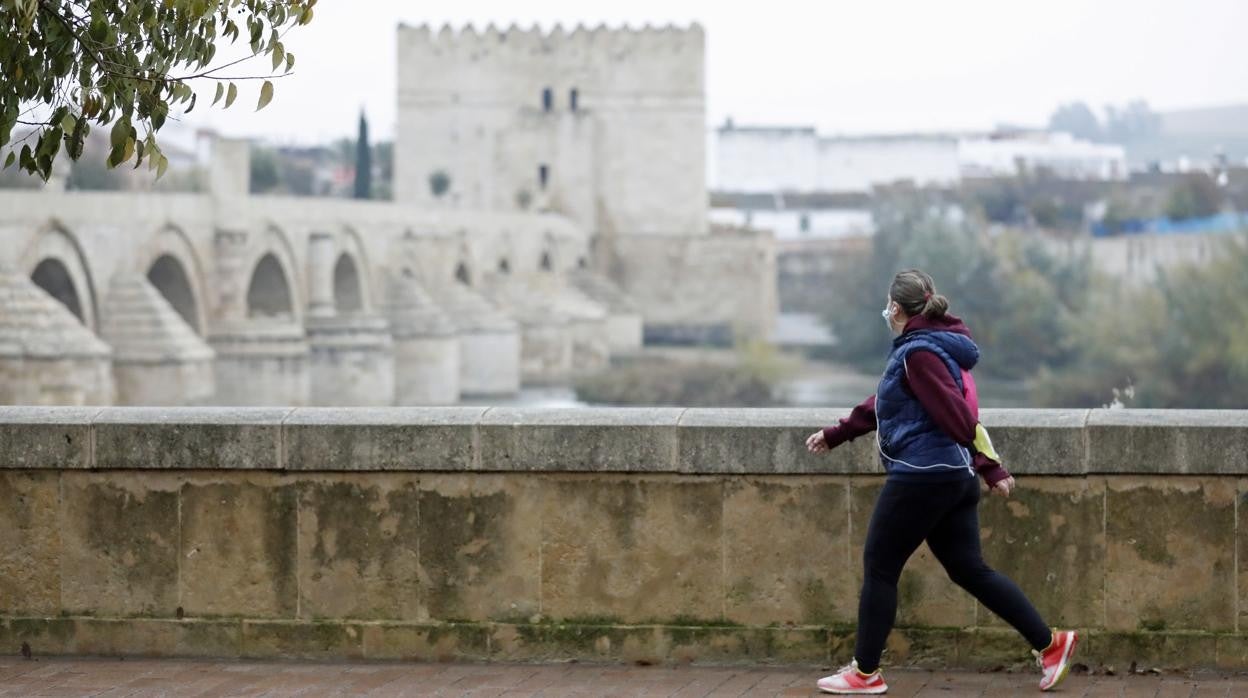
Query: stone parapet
[
  {"x": 708, "y": 441},
  {"x": 619, "y": 534}
]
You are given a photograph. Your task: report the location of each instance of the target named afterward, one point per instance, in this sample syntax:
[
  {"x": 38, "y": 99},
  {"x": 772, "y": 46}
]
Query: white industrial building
[{"x": 761, "y": 159}]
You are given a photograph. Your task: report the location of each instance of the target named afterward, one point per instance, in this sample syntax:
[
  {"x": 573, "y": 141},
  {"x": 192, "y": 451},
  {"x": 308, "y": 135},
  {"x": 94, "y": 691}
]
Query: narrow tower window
[
  {"x": 573, "y": 94},
  {"x": 548, "y": 99},
  {"x": 543, "y": 175}
]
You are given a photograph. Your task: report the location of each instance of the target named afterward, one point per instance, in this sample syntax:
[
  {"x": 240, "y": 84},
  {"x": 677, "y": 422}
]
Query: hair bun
[{"x": 936, "y": 306}]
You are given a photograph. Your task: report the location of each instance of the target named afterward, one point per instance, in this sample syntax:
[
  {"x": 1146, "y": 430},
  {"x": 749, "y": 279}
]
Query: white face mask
[{"x": 887, "y": 314}]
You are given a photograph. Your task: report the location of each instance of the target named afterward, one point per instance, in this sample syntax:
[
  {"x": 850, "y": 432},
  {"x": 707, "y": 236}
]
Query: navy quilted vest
[{"x": 911, "y": 446}]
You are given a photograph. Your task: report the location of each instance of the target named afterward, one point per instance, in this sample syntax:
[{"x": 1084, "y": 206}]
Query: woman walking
[{"x": 925, "y": 415}]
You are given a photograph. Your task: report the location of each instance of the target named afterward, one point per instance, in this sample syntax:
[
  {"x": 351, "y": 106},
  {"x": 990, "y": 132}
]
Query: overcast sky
[{"x": 867, "y": 66}]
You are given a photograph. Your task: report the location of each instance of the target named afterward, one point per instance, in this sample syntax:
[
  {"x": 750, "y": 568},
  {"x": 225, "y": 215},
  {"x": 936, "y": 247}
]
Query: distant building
[
  {"x": 1011, "y": 154},
  {"x": 767, "y": 159},
  {"x": 797, "y": 159},
  {"x": 1200, "y": 138},
  {"x": 795, "y": 216}
]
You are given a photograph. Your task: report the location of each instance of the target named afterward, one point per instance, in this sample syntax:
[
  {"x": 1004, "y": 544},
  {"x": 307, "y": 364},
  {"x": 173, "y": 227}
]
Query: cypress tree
[{"x": 363, "y": 162}]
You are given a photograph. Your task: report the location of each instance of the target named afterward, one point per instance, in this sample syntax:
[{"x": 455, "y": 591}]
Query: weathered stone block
[
  {"x": 381, "y": 439},
  {"x": 639, "y": 549},
  {"x": 1241, "y": 543},
  {"x": 1170, "y": 560},
  {"x": 766, "y": 441},
  {"x": 358, "y": 543},
  {"x": 204, "y": 438},
  {"x": 432, "y": 642},
  {"x": 928, "y": 648},
  {"x": 1168, "y": 441},
  {"x": 1232, "y": 652},
  {"x": 994, "y": 647},
  {"x": 480, "y": 546},
  {"x": 804, "y": 575},
  {"x": 1169, "y": 650},
  {"x": 300, "y": 640},
  {"x": 719, "y": 644},
  {"x": 30, "y": 543},
  {"x": 591, "y": 439},
  {"x": 238, "y": 546},
  {"x": 1033, "y": 442},
  {"x": 156, "y": 637},
  {"x": 119, "y": 542},
  {"x": 1048, "y": 538},
  {"x": 559, "y": 641},
  {"x": 44, "y": 635},
  {"x": 925, "y": 595},
  {"x": 46, "y": 437}
]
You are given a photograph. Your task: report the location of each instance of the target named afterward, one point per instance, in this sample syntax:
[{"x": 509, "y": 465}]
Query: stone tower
[{"x": 604, "y": 126}]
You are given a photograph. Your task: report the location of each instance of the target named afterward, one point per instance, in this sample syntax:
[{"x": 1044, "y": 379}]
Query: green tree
[
  {"x": 1014, "y": 294},
  {"x": 1077, "y": 119},
  {"x": 363, "y": 162},
  {"x": 1196, "y": 195},
  {"x": 384, "y": 154},
  {"x": 266, "y": 174},
  {"x": 1135, "y": 121},
  {"x": 1179, "y": 343},
  {"x": 69, "y": 65}
]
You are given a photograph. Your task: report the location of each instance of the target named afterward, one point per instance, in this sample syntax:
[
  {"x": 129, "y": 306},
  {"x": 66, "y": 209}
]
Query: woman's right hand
[
  {"x": 1004, "y": 487},
  {"x": 815, "y": 443}
]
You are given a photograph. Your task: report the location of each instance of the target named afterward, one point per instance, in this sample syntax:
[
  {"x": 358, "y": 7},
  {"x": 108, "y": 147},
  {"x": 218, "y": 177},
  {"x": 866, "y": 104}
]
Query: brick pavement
[{"x": 135, "y": 678}]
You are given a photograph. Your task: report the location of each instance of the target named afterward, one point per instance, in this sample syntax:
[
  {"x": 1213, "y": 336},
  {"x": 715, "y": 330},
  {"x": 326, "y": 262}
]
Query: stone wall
[{"x": 644, "y": 534}]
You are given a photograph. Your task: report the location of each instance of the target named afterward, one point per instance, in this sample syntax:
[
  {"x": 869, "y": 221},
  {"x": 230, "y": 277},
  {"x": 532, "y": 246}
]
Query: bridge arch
[
  {"x": 56, "y": 263},
  {"x": 174, "y": 269},
  {"x": 348, "y": 291},
  {"x": 352, "y": 275},
  {"x": 273, "y": 287}
]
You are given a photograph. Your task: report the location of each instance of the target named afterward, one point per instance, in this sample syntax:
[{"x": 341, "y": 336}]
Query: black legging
[{"x": 946, "y": 515}]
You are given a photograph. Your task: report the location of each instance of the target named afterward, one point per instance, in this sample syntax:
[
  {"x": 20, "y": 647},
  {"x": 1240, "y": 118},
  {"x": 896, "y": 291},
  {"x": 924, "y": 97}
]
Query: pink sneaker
[
  {"x": 850, "y": 681},
  {"x": 1055, "y": 661}
]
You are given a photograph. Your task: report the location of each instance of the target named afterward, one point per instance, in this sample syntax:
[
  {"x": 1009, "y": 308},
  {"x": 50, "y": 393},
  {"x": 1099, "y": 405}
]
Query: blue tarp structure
[{"x": 1221, "y": 223}]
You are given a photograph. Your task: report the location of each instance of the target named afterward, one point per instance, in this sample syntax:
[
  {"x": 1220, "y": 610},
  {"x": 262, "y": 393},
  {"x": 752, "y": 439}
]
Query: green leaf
[
  {"x": 266, "y": 95},
  {"x": 117, "y": 155},
  {"x": 194, "y": 97},
  {"x": 60, "y": 113},
  {"x": 119, "y": 134},
  {"x": 290, "y": 62},
  {"x": 9, "y": 160},
  {"x": 160, "y": 168},
  {"x": 279, "y": 54},
  {"x": 7, "y": 121},
  {"x": 220, "y": 91},
  {"x": 230, "y": 95},
  {"x": 138, "y": 150},
  {"x": 158, "y": 115},
  {"x": 74, "y": 141}
]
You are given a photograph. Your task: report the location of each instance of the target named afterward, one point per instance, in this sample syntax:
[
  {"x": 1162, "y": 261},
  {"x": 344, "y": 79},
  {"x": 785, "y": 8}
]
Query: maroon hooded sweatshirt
[{"x": 929, "y": 380}]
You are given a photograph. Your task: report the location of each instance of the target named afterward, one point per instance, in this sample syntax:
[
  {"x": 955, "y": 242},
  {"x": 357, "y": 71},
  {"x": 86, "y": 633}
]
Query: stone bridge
[
  {"x": 622, "y": 534},
  {"x": 225, "y": 298}
]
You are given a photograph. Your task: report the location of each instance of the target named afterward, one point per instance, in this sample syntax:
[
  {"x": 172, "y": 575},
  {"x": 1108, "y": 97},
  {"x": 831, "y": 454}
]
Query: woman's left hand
[
  {"x": 1003, "y": 488},
  {"x": 815, "y": 443}
]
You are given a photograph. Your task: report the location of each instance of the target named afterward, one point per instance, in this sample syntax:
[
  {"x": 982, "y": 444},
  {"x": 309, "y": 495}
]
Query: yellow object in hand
[{"x": 983, "y": 443}]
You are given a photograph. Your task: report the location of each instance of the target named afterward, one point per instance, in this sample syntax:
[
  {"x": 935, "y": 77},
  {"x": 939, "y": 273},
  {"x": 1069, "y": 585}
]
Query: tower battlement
[
  {"x": 469, "y": 37},
  {"x": 496, "y": 61}
]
